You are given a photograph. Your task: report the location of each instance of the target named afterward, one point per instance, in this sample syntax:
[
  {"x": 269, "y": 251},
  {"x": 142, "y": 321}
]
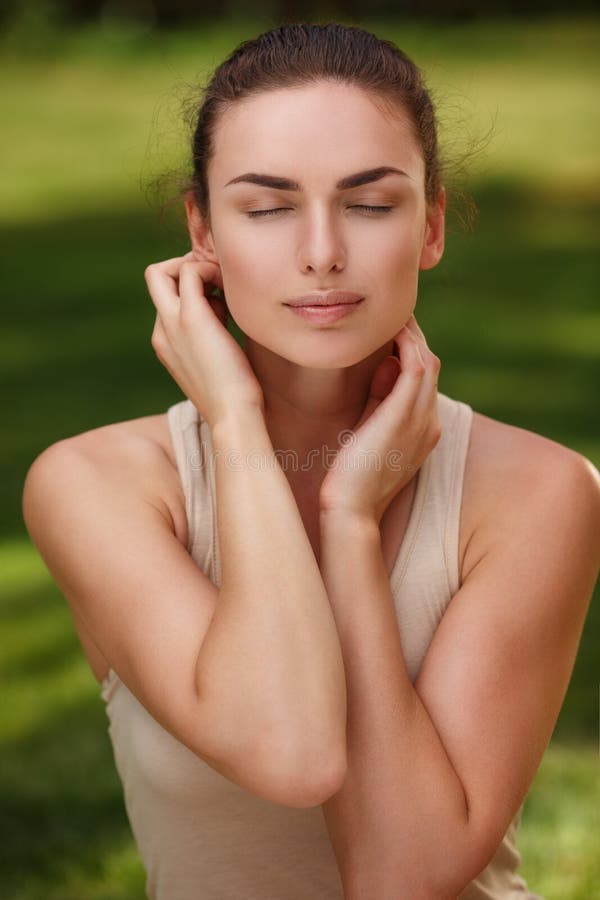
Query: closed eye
[
  {"x": 374, "y": 209},
  {"x": 255, "y": 213}
]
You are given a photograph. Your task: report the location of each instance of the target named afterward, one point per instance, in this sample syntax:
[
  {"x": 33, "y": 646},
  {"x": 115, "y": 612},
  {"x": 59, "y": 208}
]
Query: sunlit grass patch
[
  {"x": 558, "y": 838},
  {"x": 512, "y": 311}
]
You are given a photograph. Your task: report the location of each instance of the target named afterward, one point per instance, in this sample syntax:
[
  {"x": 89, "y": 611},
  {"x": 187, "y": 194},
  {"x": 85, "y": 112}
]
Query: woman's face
[{"x": 281, "y": 240}]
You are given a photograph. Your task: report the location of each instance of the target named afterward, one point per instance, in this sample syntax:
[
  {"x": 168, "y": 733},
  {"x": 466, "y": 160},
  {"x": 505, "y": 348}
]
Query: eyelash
[{"x": 257, "y": 213}]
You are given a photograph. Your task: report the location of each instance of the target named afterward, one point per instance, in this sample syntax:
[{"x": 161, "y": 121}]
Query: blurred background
[{"x": 91, "y": 97}]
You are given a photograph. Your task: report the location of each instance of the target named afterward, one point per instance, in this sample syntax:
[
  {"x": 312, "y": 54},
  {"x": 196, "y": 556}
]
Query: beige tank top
[{"x": 199, "y": 835}]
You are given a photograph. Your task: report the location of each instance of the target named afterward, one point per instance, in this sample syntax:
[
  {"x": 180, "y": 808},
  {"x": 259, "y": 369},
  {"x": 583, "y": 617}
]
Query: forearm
[
  {"x": 271, "y": 662},
  {"x": 401, "y": 811}
]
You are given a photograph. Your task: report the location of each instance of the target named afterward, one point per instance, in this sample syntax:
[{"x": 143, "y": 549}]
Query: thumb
[{"x": 384, "y": 379}]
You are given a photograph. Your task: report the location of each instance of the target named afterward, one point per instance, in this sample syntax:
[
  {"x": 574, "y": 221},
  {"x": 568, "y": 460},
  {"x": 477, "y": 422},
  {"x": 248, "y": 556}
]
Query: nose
[{"x": 322, "y": 247}]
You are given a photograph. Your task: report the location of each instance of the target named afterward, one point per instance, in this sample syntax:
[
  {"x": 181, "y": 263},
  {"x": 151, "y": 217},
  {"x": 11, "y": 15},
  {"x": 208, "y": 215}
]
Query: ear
[
  {"x": 201, "y": 237},
  {"x": 203, "y": 247},
  {"x": 433, "y": 242}
]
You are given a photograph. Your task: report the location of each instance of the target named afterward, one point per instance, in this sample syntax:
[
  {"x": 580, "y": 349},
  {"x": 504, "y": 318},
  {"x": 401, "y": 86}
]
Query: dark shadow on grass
[
  {"x": 77, "y": 323},
  {"x": 62, "y": 808},
  {"x": 62, "y": 804},
  {"x": 25, "y": 612},
  {"x": 76, "y": 350}
]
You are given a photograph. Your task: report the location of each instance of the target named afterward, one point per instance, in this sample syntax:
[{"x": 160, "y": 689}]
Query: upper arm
[
  {"x": 497, "y": 670},
  {"x": 110, "y": 545}
]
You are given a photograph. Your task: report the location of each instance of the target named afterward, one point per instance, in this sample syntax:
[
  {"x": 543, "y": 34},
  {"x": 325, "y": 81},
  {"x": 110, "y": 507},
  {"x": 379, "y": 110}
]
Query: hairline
[{"x": 392, "y": 108}]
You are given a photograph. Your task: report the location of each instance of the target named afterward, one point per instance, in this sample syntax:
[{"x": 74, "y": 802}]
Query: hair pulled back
[{"x": 300, "y": 54}]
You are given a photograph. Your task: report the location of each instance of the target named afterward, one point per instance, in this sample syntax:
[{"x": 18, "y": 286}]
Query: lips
[{"x": 325, "y": 298}]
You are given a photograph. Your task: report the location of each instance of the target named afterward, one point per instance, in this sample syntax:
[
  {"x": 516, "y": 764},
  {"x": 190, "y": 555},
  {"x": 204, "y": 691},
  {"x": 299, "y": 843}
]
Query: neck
[{"x": 307, "y": 409}]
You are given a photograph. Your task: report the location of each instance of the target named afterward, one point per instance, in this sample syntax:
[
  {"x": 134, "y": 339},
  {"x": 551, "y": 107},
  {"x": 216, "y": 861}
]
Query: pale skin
[{"x": 441, "y": 764}]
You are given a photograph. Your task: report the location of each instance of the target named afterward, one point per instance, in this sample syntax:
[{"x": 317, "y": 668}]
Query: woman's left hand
[{"x": 398, "y": 429}]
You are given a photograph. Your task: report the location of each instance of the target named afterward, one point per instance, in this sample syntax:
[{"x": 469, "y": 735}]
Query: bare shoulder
[
  {"x": 510, "y": 471},
  {"x": 137, "y": 452}
]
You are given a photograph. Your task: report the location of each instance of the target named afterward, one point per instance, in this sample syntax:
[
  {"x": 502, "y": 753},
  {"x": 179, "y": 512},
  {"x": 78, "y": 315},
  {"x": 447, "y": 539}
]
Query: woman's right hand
[{"x": 191, "y": 340}]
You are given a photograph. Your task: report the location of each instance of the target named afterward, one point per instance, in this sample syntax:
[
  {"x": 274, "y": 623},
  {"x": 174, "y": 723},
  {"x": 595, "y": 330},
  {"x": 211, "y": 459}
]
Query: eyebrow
[{"x": 344, "y": 184}]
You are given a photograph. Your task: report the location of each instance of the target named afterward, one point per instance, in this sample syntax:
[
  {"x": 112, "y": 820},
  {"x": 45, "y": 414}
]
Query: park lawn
[
  {"x": 65, "y": 834},
  {"x": 511, "y": 310}
]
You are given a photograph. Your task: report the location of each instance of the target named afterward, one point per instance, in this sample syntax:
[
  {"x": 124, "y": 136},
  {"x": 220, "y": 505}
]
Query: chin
[
  {"x": 326, "y": 356},
  {"x": 325, "y": 348}
]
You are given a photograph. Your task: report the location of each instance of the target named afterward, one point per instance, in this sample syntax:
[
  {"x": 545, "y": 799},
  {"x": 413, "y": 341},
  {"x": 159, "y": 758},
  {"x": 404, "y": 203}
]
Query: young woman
[{"x": 334, "y": 611}]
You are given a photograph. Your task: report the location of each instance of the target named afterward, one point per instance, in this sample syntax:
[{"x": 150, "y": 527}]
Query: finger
[
  {"x": 172, "y": 267},
  {"x": 406, "y": 388},
  {"x": 425, "y": 414},
  {"x": 426, "y": 406},
  {"x": 429, "y": 383},
  {"x": 424, "y": 367},
  {"x": 162, "y": 280},
  {"x": 194, "y": 283},
  {"x": 383, "y": 380},
  {"x": 416, "y": 329},
  {"x": 159, "y": 340},
  {"x": 410, "y": 346},
  {"x": 209, "y": 271},
  {"x": 409, "y": 383},
  {"x": 169, "y": 266},
  {"x": 428, "y": 356},
  {"x": 162, "y": 286},
  {"x": 420, "y": 331}
]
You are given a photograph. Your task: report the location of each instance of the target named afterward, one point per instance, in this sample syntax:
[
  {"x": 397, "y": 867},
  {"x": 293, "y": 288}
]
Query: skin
[
  {"x": 458, "y": 748},
  {"x": 425, "y": 747},
  {"x": 322, "y": 242},
  {"x": 316, "y": 379}
]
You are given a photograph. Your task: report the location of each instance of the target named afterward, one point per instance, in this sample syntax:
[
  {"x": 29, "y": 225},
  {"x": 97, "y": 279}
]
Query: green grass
[
  {"x": 558, "y": 839},
  {"x": 65, "y": 835},
  {"x": 512, "y": 311}
]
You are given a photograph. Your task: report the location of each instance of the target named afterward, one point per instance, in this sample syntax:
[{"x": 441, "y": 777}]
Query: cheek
[
  {"x": 251, "y": 272},
  {"x": 395, "y": 246},
  {"x": 246, "y": 285},
  {"x": 394, "y": 263},
  {"x": 238, "y": 270}
]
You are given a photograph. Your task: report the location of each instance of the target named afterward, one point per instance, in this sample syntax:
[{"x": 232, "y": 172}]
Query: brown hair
[{"x": 299, "y": 53}]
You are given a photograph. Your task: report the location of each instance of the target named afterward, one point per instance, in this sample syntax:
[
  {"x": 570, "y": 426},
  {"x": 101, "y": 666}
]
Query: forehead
[{"x": 323, "y": 127}]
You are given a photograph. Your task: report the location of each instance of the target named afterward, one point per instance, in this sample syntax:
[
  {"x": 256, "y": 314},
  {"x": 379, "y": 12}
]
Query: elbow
[
  {"x": 311, "y": 781},
  {"x": 316, "y": 791},
  {"x": 310, "y": 768},
  {"x": 331, "y": 780},
  {"x": 280, "y": 769},
  {"x": 449, "y": 883}
]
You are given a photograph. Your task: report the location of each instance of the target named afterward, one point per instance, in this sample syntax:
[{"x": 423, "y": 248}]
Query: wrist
[
  {"x": 240, "y": 423},
  {"x": 238, "y": 410},
  {"x": 348, "y": 521}
]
